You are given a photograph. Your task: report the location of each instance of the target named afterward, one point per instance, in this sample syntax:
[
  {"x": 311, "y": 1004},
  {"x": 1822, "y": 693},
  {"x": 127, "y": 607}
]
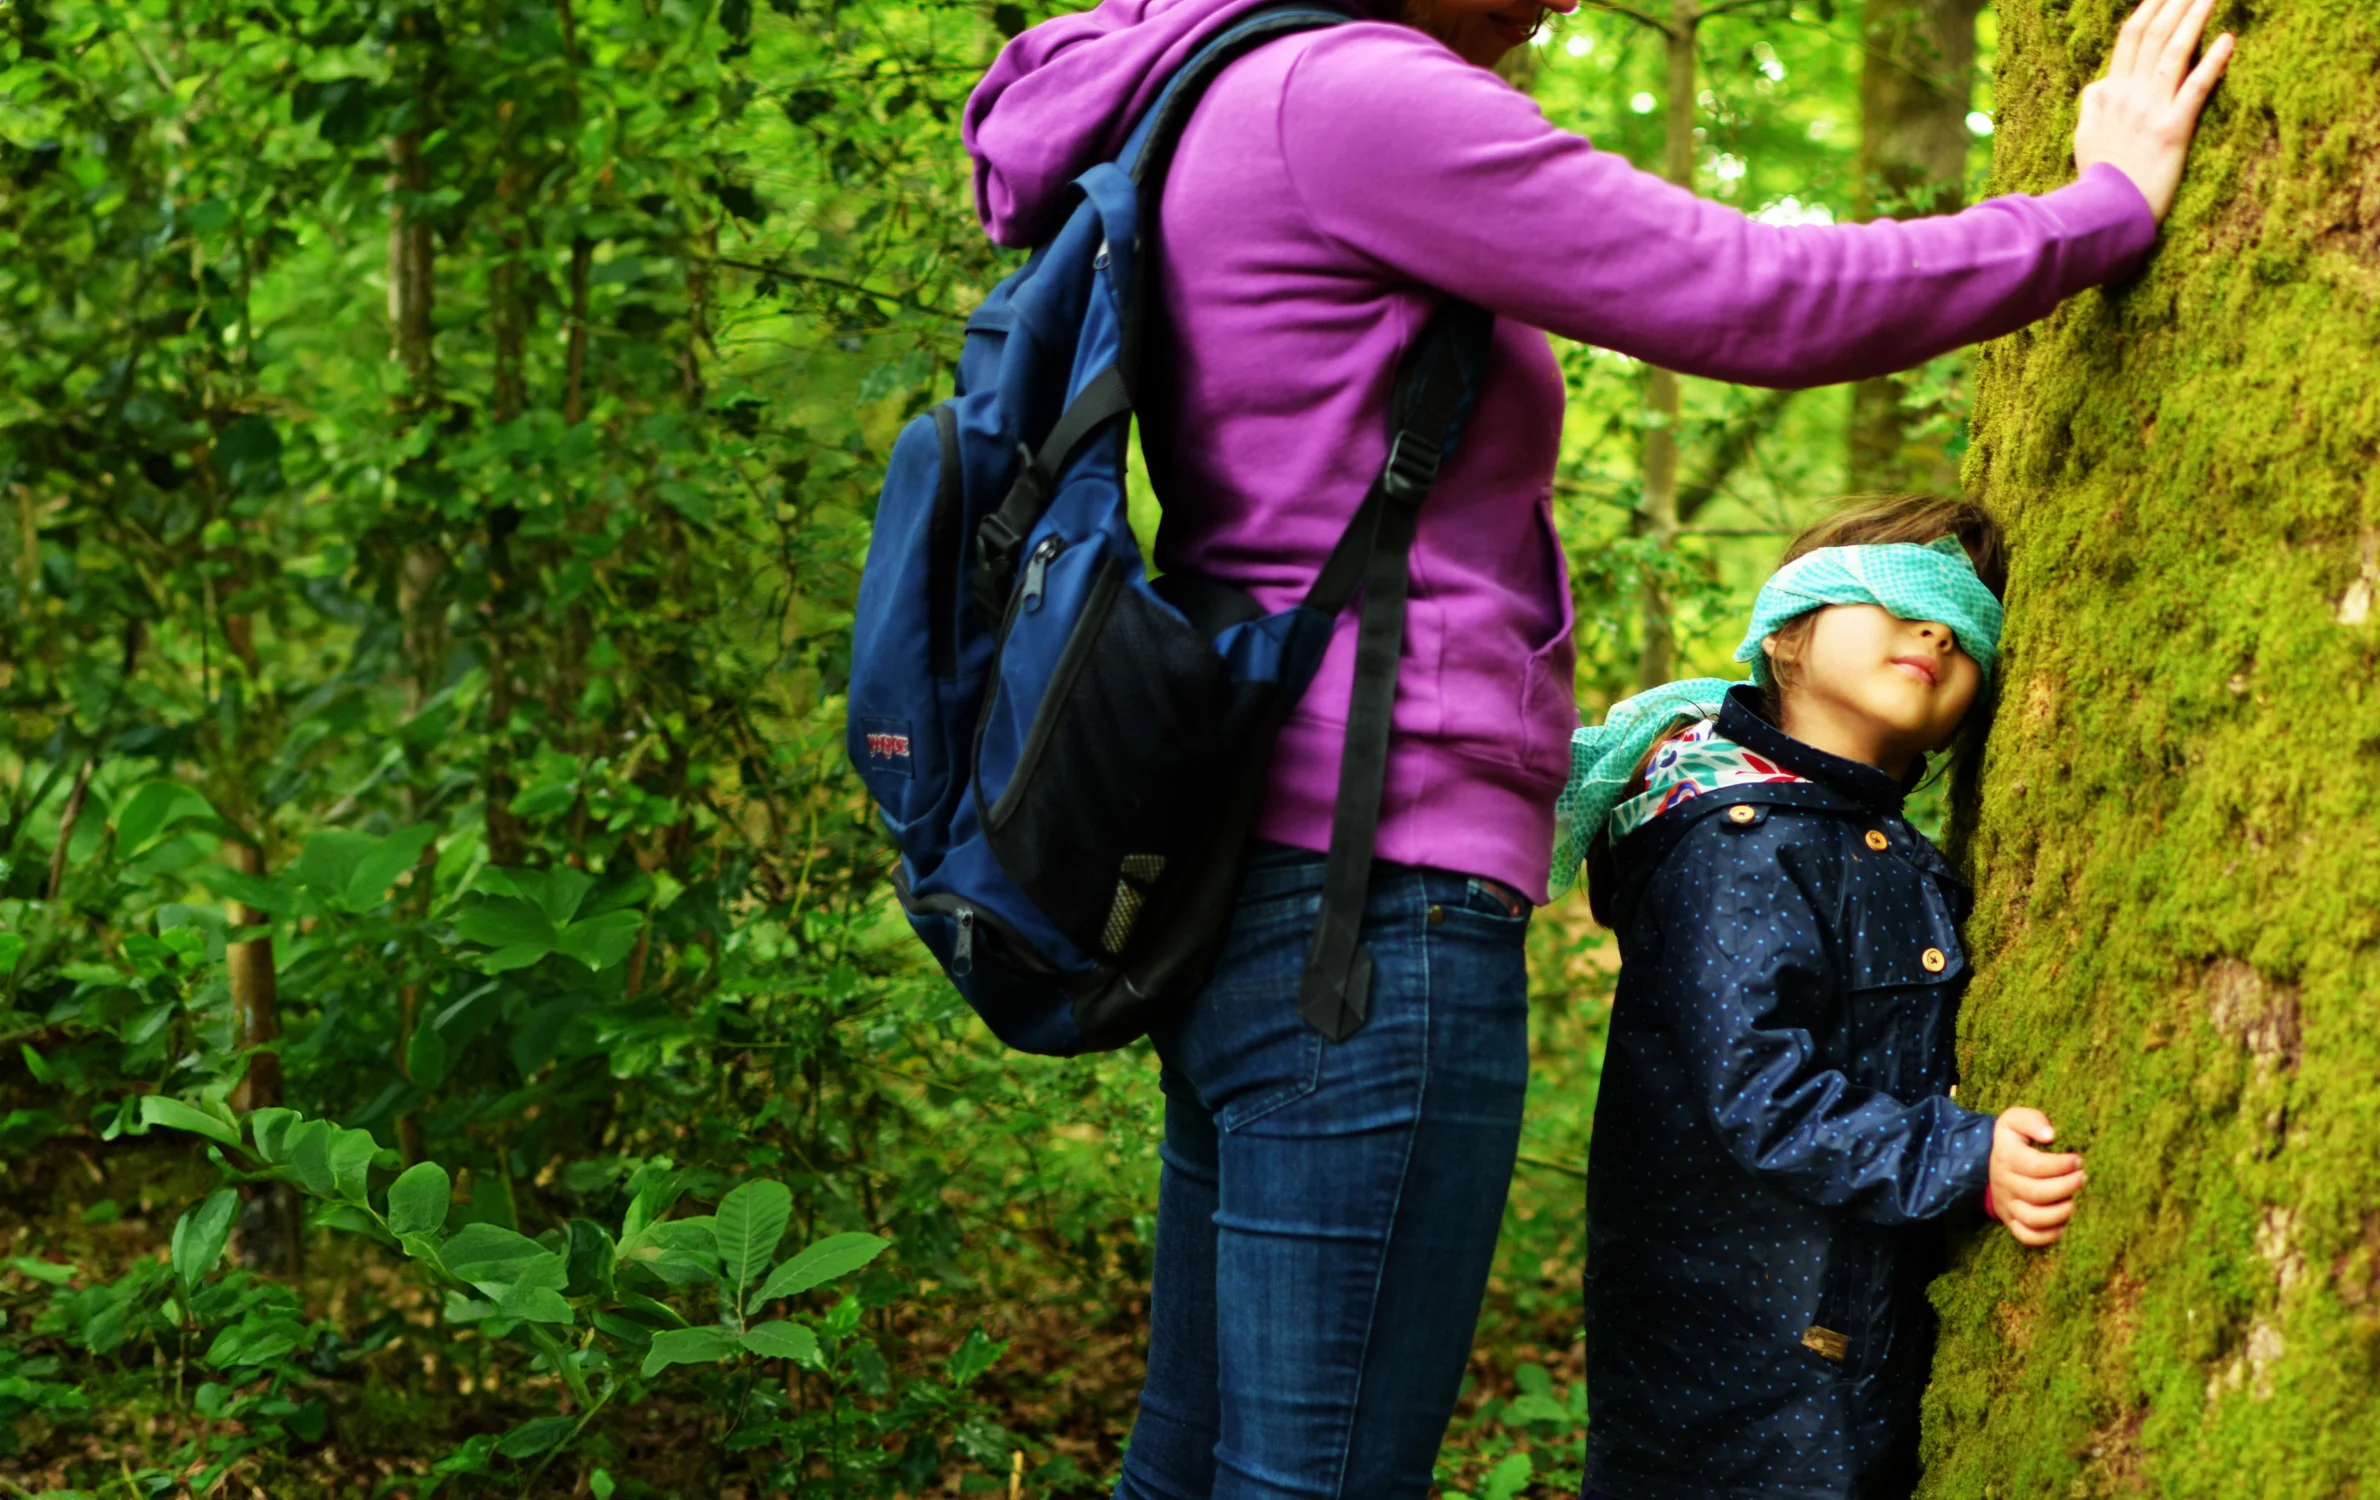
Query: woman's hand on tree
[
  {"x": 2032, "y": 1190},
  {"x": 2140, "y": 117}
]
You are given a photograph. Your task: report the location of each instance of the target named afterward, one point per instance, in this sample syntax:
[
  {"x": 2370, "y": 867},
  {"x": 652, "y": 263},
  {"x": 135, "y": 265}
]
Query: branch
[
  {"x": 1633, "y": 14},
  {"x": 1734, "y": 444},
  {"x": 1726, "y": 7},
  {"x": 787, "y": 273}
]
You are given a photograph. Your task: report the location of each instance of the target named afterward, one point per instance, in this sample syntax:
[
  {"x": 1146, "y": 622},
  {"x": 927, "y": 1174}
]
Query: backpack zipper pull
[
  {"x": 962, "y": 954},
  {"x": 1036, "y": 569}
]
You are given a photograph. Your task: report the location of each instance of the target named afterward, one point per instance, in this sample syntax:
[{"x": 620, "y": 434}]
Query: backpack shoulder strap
[
  {"x": 1436, "y": 385},
  {"x": 1146, "y": 154}
]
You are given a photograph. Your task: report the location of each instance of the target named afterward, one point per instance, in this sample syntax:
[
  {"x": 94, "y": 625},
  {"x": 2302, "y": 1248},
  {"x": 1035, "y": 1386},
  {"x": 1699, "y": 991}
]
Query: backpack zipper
[
  {"x": 942, "y": 557},
  {"x": 1036, "y": 571}
]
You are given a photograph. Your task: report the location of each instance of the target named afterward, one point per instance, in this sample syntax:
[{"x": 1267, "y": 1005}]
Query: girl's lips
[{"x": 1920, "y": 667}]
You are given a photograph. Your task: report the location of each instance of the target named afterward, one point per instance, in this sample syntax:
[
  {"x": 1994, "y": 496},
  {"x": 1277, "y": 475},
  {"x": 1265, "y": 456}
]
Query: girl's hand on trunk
[
  {"x": 2140, "y": 117},
  {"x": 2032, "y": 1190}
]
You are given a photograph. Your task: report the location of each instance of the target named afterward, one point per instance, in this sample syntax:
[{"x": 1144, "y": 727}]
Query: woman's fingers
[
  {"x": 2128, "y": 38},
  {"x": 2173, "y": 59},
  {"x": 2203, "y": 78},
  {"x": 2162, "y": 26}
]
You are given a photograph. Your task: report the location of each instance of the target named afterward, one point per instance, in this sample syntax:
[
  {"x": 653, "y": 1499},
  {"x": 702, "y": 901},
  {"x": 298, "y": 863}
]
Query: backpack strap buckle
[
  {"x": 1412, "y": 466},
  {"x": 998, "y": 538}
]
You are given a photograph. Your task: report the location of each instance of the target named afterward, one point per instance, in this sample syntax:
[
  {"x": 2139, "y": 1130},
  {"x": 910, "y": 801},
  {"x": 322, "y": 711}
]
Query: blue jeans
[{"x": 1328, "y": 1211}]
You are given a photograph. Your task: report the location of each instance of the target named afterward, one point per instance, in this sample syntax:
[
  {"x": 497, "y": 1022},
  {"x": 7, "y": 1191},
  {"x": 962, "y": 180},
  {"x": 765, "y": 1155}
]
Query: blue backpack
[{"x": 1068, "y": 754}]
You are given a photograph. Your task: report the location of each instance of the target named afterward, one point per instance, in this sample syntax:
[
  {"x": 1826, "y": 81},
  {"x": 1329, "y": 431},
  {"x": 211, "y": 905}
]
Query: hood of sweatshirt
[{"x": 1063, "y": 96}]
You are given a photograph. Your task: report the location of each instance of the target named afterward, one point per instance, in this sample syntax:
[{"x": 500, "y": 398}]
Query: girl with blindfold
[{"x": 1777, "y": 1150}]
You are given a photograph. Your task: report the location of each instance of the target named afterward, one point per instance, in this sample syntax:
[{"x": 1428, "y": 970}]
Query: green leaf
[
  {"x": 309, "y": 1143},
  {"x": 265, "y": 895},
  {"x": 601, "y": 1485},
  {"x": 750, "y": 1221},
  {"x": 200, "y": 1235},
  {"x": 506, "y": 922},
  {"x": 173, "y": 1114},
  {"x": 486, "y": 1255},
  {"x": 48, "y": 1272},
  {"x": 974, "y": 1355},
  {"x": 351, "y": 1163},
  {"x": 688, "y": 1346},
  {"x": 254, "y": 1341},
  {"x": 329, "y": 861},
  {"x": 836, "y": 1255},
  {"x": 1529, "y": 1407},
  {"x": 425, "y": 1059},
  {"x": 535, "y": 1292},
  {"x": 271, "y": 1127},
  {"x": 516, "y": 956},
  {"x": 1508, "y": 1479},
  {"x": 418, "y": 1200},
  {"x": 153, "y": 807},
  {"x": 600, "y": 942},
  {"x": 539, "y": 1036},
  {"x": 557, "y": 891},
  {"x": 782, "y": 1340},
  {"x": 379, "y": 869},
  {"x": 535, "y": 1436}
]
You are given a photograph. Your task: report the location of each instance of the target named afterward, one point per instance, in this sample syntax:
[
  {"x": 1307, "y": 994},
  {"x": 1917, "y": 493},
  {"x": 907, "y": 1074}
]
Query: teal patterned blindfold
[{"x": 1934, "y": 582}]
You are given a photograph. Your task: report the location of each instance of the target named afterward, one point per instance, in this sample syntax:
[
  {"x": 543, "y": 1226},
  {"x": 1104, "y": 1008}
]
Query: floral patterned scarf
[{"x": 1684, "y": 768}]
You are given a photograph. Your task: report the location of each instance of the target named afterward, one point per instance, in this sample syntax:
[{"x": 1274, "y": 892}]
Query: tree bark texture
[
  {"x": 1916, "y": 84},
  {"x": 2178, "y": 842}
]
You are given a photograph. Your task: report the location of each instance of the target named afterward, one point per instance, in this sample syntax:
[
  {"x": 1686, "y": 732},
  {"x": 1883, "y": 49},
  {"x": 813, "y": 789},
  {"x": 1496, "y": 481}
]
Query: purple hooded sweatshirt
[{"x": 1331, "y": 187}]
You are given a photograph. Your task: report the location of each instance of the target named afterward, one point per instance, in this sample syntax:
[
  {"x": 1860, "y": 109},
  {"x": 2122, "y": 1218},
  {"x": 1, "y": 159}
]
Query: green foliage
[{"x": 436, "y": 451}]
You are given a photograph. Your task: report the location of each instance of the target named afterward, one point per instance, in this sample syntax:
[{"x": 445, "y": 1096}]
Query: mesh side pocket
[{"x": 1122, "y": 769}]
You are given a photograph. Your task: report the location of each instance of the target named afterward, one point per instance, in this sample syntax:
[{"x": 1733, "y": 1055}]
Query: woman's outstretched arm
[{"x": 1434, "y": 170}]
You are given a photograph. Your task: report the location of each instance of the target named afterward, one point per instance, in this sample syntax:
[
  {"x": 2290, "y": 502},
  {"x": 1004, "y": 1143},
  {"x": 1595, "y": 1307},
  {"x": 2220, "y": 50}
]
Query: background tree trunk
[
  {"x": 2179, "y": 840},
  {"x": 1916, "y": 85},
  {"x": 1663, "y": 406}
]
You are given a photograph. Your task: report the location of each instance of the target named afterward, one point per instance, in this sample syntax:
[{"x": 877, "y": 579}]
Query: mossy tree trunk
[{"x": 2178, "y": 845}]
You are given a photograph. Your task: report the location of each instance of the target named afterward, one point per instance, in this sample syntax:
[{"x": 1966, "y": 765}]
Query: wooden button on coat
[
  {"x": 1742, "y": 812},
  {"x": 1877, "y": 841},
  {"x": 1934, "y": 959}
]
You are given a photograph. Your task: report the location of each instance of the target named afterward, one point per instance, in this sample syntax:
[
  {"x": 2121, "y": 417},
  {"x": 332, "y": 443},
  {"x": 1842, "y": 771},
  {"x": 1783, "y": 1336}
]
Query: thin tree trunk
[
  {"x": 1662, "y": 403},
  {"x": 269, "y": 1220},
  {"x": 2178, "y": 842},
  {"x": 1916, "y": 85}
]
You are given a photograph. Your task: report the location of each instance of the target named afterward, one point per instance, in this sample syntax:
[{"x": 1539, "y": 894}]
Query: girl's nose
[{"x": 1937, "y": 635}]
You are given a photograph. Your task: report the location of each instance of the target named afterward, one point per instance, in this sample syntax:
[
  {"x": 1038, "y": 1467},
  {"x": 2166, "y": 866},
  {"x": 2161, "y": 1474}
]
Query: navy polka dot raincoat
[{"x": 1775, "y": 1153}]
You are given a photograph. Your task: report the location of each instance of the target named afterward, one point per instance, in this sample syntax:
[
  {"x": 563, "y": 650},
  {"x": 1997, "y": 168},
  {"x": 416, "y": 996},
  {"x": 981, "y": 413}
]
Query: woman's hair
[{"x": 1880, "y": 521}]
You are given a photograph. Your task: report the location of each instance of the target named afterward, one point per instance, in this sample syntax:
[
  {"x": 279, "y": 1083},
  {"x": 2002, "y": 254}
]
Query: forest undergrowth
[{"x": 456, "y": 1038}]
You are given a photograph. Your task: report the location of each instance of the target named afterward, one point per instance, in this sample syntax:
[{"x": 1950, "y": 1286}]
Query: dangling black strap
[{"x": 1434, "y": 388}]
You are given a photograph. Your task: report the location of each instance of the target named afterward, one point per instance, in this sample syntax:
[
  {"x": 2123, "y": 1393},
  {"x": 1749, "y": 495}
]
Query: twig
[
  {"x": 66, "y": 822},
  {"x": 1550, "y": 1165},
  {"x": 1633, "y": 14}
]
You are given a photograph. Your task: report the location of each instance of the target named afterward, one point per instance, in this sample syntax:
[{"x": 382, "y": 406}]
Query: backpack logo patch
[{"x": 888, "y": 746}]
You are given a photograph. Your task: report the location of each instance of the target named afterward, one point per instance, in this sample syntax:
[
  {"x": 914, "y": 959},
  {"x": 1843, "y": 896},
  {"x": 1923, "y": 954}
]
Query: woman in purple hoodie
[{"x": 1328, "y": 1210}]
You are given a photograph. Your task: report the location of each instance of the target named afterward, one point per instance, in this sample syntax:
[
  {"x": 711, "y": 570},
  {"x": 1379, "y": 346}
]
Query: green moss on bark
[{"x": 2178, "y": 850}]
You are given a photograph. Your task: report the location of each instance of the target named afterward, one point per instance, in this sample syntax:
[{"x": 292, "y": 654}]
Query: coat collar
[{"x": 1740, "y": 721}]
